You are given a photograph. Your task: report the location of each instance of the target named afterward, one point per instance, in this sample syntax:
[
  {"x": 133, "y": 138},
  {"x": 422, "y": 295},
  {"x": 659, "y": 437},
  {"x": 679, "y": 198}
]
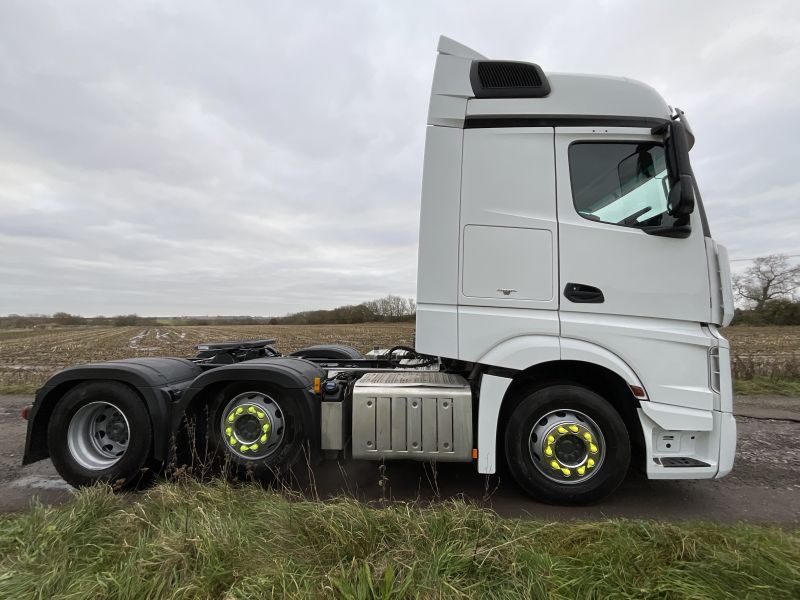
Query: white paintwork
[
  {"x": 497, "y": 212},
  {"x": 508, "y": 182},
  {"x": 572, "y": 349},
  {"x": 574, "y": 94},
  {"x": 727, "y": 444},
  {"x": 484, "y": 329},
  {"x": 450, "y": 90},
  {"x": 639, "y": 274},
  {"x": 714, "y": 447},
  {"x": 493, "y": 389},
  {"x": 671, "y": 417},
  {"x": 571, "y": 94},
  {"x": 719, "y": 276},
  {"x": 509, "y": 240},
  {"x": 725, "y": 376},
  {"x": 726, "y": 283},
  {"x": 491, "y": 263},
  {"x": 437, "y": 273},
  {"x": 522, "y": 352},
  {"x": 437, "y": 329},
  {"x": 450, "y": 46},
  {"x": 669, "y": 357},
  {"x": 437, "y": 279}
]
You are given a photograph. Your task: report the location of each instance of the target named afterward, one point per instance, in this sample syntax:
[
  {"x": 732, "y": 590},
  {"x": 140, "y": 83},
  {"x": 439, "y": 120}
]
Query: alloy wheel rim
[
  {"x": 98, "y": 435},
  {"x": 567, "y": 446},
  {"x": 252, "y": 426}
]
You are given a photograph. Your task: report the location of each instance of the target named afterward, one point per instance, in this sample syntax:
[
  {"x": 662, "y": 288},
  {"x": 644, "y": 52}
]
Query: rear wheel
[
  {"x": 255, "y": 429},
  {"x": 565, "y": 444},
  {"x": 100, "y": 431}
]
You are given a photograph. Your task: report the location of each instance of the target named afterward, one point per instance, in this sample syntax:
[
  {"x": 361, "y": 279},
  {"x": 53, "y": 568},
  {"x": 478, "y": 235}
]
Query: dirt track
[{"x": 764, "y": 485}]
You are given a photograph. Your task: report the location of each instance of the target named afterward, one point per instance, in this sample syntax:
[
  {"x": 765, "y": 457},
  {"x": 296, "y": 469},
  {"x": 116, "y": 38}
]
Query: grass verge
[
  {"x": 188, "y": 540},
  {"x": 767, "y": 386}
]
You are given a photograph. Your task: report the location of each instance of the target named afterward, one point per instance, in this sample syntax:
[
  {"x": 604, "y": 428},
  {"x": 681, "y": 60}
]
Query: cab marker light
[{"x": 638, "y": 392}]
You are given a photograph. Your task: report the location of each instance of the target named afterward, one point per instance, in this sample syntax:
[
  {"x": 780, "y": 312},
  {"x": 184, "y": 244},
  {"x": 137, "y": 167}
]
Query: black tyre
[
  {"x": 100, "y": 431},
  {"x": 565, "y": 444},
  {"x": 255, "y": 430}
]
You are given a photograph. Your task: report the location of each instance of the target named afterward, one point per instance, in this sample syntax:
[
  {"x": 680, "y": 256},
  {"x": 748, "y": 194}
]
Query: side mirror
[{"x": 680, "y": 203}]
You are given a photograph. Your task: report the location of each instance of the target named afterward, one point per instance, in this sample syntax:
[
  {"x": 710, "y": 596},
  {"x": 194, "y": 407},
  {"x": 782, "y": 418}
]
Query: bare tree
[{"x": 768, "y": 278}]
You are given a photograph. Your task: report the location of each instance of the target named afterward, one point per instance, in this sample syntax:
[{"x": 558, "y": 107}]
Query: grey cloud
[{"x": 209, "y": 157}]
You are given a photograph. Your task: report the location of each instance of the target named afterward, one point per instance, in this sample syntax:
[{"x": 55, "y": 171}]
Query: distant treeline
[
  {"x": 388, "y": 309},
  {"x": 774, "y": 312}
]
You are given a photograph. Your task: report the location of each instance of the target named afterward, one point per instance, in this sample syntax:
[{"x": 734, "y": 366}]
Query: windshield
[{"x": 622, "y": 183}]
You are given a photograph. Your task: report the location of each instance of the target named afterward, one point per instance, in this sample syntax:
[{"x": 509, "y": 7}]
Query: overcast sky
[{"x": 195, "y": 157}]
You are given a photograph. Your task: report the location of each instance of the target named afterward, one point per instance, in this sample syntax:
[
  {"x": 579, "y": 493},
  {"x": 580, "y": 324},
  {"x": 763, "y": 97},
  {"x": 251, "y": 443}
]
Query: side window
[{"x": 622, "y": 183}]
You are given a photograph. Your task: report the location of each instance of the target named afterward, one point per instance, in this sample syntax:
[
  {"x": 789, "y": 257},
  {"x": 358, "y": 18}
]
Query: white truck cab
[
  {"x": 549, "y": 248},
  {"x": 569, "y": 299}
]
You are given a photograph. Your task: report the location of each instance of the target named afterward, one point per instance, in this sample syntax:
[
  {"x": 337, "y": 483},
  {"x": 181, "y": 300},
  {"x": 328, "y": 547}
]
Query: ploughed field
[
  {"x": 29, "y": 356},
  {"x": 765, "y": 359}
]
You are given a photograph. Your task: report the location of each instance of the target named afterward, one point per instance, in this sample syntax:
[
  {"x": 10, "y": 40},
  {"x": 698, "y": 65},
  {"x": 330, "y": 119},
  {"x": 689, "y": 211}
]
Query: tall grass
[{"x": 187, "y": 540}]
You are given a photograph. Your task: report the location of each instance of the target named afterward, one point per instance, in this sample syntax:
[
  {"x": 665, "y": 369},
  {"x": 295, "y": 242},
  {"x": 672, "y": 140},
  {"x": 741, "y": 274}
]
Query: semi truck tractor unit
[{"x": 569, "y": 296}]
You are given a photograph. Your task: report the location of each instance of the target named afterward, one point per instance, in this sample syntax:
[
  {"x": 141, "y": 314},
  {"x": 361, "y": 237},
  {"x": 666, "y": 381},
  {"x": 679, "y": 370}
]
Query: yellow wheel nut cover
[
  {"x": 554, "y": 464},
  {"x": 239, "y": 410},
  {"x": 265, "y": 427},
  {"x": 548, "y": 451},
  {"x": 260, "y": 415},
  {"x": 587, "y": 436},
  {"x": 242, "y": 448},
  {"x": 228, "y": 430},
  {"x": 592, "y": 448},
  {"x": 231, "y": 418},
  {"x": 590, "y": 463},
  {"x": 562, "y": 429},
  {"x": 581, "y": 470},
  {"x": 550, "y": 439},
  {"x": 251, "y": 409},
  {"x": 254, "y": 447},
  {"x": 573, "y": 428},
  {"x": 566, "y": 472},
  {"x": 264, "y": 439},
  {"x": 232, "y": 441}
]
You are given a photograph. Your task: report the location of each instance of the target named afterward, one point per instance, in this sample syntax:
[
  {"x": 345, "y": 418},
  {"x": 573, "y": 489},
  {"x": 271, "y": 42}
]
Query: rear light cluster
[{"x": 713, "y": 368}]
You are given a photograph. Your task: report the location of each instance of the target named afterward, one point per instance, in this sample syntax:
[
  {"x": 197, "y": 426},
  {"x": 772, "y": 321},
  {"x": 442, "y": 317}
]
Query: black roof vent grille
[{"x": 506, "y": 79}]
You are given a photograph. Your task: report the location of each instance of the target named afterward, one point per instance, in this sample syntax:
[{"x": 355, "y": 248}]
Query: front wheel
[{"x": 565, "y": 444}]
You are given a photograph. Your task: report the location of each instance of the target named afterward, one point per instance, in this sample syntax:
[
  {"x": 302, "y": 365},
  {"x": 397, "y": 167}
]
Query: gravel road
[{"x": 763, "y": 487}]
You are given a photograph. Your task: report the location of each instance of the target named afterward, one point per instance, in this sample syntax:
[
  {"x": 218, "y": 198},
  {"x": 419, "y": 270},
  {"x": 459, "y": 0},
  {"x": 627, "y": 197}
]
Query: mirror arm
[{"x": 671, "y": 231}]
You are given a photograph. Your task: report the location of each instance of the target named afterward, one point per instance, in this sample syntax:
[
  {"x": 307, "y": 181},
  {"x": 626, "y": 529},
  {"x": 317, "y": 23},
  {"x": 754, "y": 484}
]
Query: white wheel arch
[{"x": 522, "y": 353}]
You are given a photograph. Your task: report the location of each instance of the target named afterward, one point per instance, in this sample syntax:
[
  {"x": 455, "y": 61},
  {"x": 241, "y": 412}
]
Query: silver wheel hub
[
  {"x": 252, "y": 425},
  {"x": 567, "y": 446},
  {"x": 98, "y": 435}
]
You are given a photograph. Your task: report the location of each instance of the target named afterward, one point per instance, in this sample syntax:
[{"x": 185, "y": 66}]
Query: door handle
[{"x": 583, "y": 294}]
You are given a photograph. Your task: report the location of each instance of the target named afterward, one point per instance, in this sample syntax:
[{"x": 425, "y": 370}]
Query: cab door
[
  {"x": 611, "y": 186},
  {"x": 508, "y": 267}
]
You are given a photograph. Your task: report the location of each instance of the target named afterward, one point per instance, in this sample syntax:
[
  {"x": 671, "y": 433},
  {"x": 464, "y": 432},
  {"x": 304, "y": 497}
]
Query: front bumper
[{"x": 686, "y": 443}]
